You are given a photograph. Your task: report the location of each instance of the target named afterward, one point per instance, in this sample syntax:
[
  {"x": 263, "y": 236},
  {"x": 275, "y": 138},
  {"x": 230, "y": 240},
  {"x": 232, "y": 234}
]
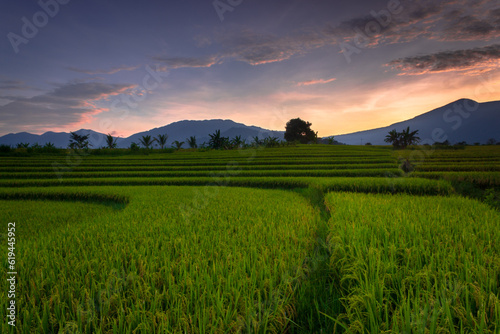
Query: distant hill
[
  {"x": 201, "y": 130},
  {"x": 59, "y": 139},
  {"x": 175, "y": 131},
  {"x": 462, "y": 120}
]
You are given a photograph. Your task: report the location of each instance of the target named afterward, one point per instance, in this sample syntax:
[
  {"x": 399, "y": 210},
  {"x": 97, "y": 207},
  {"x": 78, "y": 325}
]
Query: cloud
[
  {"x": 256, "y": 49},
  {"x": 249, "y": 47},
  {"x": 483, "y": 58},
  {"x": 469, "y": 28},
  {"x": 68, "y": 104},
  {"x": 108, "y": 71},
  {"x": 179, "y": 62},
  {"x": 12, "y": 85},
  {"x": 445, "y": 20},
  {"x": 315, "y": 82}
]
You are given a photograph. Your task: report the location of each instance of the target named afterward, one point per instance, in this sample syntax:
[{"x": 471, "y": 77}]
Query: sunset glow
[{"x": 126, "y": 67}]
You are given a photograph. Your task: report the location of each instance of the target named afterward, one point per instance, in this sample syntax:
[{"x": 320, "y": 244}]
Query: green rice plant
[
  {"x": 459, "y": 168},
  {"x": 228, "y": 172},
  {"x": 249, "y": 161},
  {"x": 223, "y": 167},
  {"x": 380, "y": 185},
  {"x": 483, "y": 179},
  {"x": 414, "y": 186},
  {"x": 407, "y": 264},
  {"x": 175, "y": 259}
]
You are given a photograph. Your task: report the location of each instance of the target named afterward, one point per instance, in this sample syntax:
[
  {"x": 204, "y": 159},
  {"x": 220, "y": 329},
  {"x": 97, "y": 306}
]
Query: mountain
[
  {"x": 463, "y": 120},
  {"x": 201, "y": 130},
  {"x": 59, "y": 139},
  {"x": 175, "y": 131}
]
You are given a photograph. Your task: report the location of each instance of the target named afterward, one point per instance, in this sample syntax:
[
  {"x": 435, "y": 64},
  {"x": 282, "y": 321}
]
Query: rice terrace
[
  {"x": 295, "y": 239},
  {"x": 250, "y": 167}
]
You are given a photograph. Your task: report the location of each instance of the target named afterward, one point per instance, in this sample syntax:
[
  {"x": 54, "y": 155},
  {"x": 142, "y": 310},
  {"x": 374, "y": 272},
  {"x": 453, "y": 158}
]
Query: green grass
[
  {"x": 387, "y": 184},
  {"x": 159, "y": 242},
  {"x": 410, "y": 264},
  {"x": 228, "y": 172},
  {"x": 170, "y": 261},
  {"x": 483, "y": 179}
]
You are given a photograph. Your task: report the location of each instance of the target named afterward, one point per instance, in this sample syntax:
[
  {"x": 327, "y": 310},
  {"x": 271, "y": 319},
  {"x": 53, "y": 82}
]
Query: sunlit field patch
[{"x": 247, "y": 241}]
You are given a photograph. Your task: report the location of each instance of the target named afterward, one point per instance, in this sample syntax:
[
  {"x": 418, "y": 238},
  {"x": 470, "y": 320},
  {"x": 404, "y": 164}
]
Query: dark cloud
[
  {"x": 250, "y": 47},
  {"x": 444, "y": 20},
  {"x": 67, "y": 104},
  {"x": 12, "y": 85},
  {"x": 258, "y": 49},
  {"x": 450, "y": 20},
  {"x": 87, "y": 91},
  {"x": 468, "y": 27},
  {"x": 458, "y": 60},
  {"x": 108, "y": 71}
]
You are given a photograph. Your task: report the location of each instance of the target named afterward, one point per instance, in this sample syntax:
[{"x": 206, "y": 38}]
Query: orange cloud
[{"x": 315, "y": 82}]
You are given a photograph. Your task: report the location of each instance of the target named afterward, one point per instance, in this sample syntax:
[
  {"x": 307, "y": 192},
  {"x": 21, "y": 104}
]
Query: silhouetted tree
[
  {"x": 256, "y": 141},
  {"x": 217, "y": 141},
  {"x": 402, "y": 139},
  {"x": 192, "y": 142},
  {"x": 491, "y": 141},
  {"x": 162, "y": 140},
  {"x": 134, "y": 146},
  {"x": 23, "y": 145},
  {"x": 146, "y": 141},
  {"x": 271, "y": 142},
  {"x": 297, "y": 129},
  {"x": 78, "y": 142},
  {"x": 110, "y": 141},
  {"x": 177, "y": 144},
  {"x": 393, "y": 137},
  {"x": 409, "y": 138}
]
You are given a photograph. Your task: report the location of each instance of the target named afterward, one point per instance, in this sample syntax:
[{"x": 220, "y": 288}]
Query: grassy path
[{"x": 317, "y": 298}]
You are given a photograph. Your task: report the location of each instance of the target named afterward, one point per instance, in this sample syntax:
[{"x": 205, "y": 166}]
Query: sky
[{"x": 123, "y": 67}]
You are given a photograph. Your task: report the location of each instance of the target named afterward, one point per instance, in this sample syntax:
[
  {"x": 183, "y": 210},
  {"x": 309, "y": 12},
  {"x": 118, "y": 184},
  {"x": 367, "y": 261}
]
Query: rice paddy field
[{"x": 304, "y": 239}]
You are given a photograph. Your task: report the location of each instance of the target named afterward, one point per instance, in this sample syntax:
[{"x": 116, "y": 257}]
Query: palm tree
[
  {"x": 177, "y": 144},
  {"x": 271, "y": 141},
  {"x": 78, "y": 142},
  {"x": 256, "y": 141},
  {"x": 162, "y": 140},
  {"x": 217, "y": 141},
  {"x": 192, "y": 142},
  {"x": 237, "y": 142},
  {"x": 110, "y": 141},
  {"x": 146, "y": 141},
  {"x": 23, "y": 145},
  {"x": 409, "y": 138},
  {"x": 394, "y": 138}
]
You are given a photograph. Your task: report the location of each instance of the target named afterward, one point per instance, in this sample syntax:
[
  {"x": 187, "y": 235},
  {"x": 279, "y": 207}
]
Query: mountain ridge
[
  {"x": 461, "y": 120},
  {"x": 458, "y": 121}
]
